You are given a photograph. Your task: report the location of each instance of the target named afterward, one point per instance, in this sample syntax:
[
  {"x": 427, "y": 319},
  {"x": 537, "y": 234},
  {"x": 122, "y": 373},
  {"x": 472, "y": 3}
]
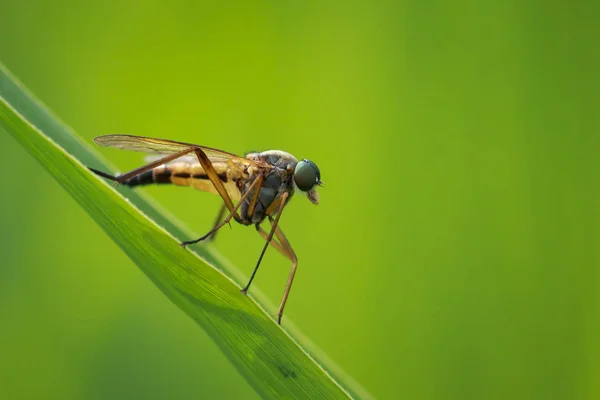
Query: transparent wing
[
  {"x": 189, "y": 160},
  {"x": 164, "y": 146}
]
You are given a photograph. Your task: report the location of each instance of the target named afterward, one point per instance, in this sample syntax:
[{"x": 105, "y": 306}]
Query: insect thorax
[{"x": 276, "y": 180}]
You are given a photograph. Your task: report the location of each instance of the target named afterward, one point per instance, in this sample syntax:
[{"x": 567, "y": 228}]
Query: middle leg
[{"x": 255, "y": 185}]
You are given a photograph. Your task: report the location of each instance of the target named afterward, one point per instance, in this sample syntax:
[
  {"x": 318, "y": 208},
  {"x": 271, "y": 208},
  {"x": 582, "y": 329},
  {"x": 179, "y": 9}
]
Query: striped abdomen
[{"x": 185, "y": 174}]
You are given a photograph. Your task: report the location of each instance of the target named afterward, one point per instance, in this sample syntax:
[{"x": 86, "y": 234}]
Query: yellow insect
[{"x": 260, "y": 184}]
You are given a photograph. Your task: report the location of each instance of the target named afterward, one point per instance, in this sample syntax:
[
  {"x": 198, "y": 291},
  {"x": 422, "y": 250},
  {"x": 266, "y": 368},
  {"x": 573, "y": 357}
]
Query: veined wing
[{"x": 164, "y": 146}]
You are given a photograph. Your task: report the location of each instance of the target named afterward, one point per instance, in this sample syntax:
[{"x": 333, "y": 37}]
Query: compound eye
[{"x": 306, "y": 175}]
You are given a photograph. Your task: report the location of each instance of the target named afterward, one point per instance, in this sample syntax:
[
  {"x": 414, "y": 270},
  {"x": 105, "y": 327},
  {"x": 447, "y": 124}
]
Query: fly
[{"x": 253, "y": 188}]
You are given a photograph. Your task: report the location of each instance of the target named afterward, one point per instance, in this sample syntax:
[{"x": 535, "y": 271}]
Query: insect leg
[
  {"x": 255, "y": 185},
  {"x": 292, "y": 256},
  {"x": 217, "y": 220},
  {"x": 284, "y": 247},
  {"x": 280, "y": 202},
  {"x": 253, "y": 201},
  {"x": 274, "y": 242},
  {"x": 204, "y": 161},
  {"x": 125, "y": 177},
  {"x": 214, "y": 178}
]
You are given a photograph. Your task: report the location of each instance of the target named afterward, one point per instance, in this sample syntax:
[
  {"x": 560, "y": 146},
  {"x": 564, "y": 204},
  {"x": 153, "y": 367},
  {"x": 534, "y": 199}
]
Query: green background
[{"x": 454, "y": 254}]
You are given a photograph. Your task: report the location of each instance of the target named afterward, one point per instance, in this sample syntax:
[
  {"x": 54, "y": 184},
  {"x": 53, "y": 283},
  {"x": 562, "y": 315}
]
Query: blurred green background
[{"x": 454, "y": 254}]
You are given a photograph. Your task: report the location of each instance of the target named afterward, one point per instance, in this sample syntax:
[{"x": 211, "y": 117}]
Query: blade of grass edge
[
  {"x": 245, "y": 333},
  {"x": 44, "y": 118}
]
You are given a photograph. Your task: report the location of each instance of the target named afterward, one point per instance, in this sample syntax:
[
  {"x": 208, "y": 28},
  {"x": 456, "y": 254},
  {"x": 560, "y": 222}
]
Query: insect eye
[{"x": 306, "y": 175}]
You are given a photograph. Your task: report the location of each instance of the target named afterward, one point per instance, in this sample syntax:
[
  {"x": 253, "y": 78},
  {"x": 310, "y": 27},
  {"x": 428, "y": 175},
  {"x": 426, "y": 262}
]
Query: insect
[{"x": 253, "y": 188}]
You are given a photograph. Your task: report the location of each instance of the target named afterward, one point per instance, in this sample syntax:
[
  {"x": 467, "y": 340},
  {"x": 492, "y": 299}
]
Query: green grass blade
[{"x": 274, "y": 364}]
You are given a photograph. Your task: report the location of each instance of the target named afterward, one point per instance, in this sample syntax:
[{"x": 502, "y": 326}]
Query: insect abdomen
[
  {"x": 157, "y": 175},
  {"x": 176, "y": 175},
  {"x": 186, "y": 175}
]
